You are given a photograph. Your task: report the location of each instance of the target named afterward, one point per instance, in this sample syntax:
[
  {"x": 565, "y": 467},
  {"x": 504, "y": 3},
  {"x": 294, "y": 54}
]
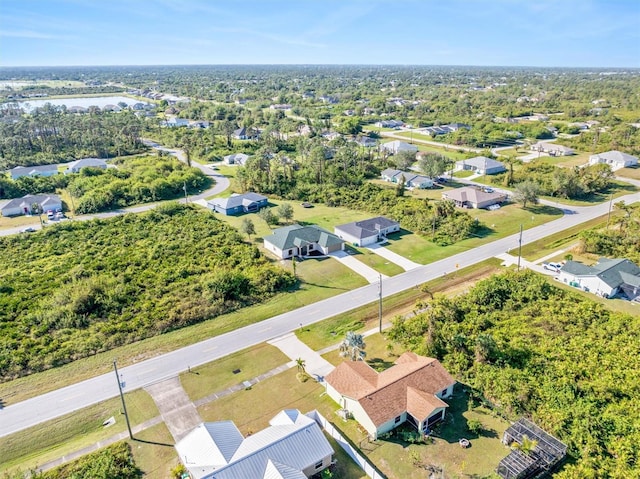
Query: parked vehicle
[
  {"x": 555, "y": 267},
  {"x": 29, "y": 229}
]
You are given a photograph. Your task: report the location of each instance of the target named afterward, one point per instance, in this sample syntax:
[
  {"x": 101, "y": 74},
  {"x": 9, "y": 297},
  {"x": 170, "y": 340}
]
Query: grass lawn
[
  {"x": 219, "y": 375},
  {"x": 54, "y": 439},
  {"x": 154, "y": 453},
  {"x": 497, "y": 224},
  {"x": 633, "y": 173},
  {"x": 18, "y": 221},
  {"x": 377, "y": 262},
  {"x": 463, "y": 173}
]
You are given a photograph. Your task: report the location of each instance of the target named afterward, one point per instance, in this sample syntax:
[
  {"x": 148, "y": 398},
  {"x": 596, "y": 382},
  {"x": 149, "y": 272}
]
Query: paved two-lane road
[{"x": 56, "y": 403}]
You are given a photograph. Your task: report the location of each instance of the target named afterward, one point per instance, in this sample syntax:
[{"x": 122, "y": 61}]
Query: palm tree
[
  {"x": 527, "y": 446},
  {"x": 301, "y": 364},
  {"x": 352, "y": 347}
]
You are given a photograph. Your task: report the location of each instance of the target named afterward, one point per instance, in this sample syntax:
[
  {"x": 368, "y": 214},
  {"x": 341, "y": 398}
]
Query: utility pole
[
  {"x": 519, "y": 247},
  {"x": 609, "y": 215},
  {"x": 380, "y": 302},
  {"x": 124, "y": 406}
]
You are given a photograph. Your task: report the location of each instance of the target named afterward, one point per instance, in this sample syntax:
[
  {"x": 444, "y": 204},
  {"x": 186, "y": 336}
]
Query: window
[
  {"x": 319, "y": 464},
  {"x": 444, "y": 393},
  {"x": 397, "y": 420}
]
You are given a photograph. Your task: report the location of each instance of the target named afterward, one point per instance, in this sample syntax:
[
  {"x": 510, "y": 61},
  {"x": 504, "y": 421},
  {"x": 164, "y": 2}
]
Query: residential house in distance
[
  {"x": 615, "y": 159},
  {"x": 292, "y": 447},
  {"x": 366, "y": 141},
  {"x": 444, "y": 129},
  {"x": 411, "y": 179},
  {"x": 366, "y": 232},
  {"x": 469, "y": 197},
  {"x": 246, "y": 133},
  {"x": 389, "y": 124},
  {"x": 547, "y": 454},
  {"x": 480, "y": 165},
  {"x": 606, "y": 278},
  {"x": 236, "y": 159},
  {"x": 410, "y": 391},
  {"x": 280, "y": 106},
  {"x": 396, "y": 146},
  {"x": 76, "y": 166},
  {"x": 176, "y": 122},
  {"x": 22, "y": 206},
  {"x": 33, "y": 171},
  {"x": 296, "y": 240},
  {"x": 238, "y": 203},
  {"x": 552, "y": 149}
]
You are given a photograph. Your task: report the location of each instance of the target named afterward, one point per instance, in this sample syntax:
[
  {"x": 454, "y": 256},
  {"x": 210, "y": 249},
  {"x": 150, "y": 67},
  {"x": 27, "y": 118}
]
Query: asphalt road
[{"x": 48, "y": 406}]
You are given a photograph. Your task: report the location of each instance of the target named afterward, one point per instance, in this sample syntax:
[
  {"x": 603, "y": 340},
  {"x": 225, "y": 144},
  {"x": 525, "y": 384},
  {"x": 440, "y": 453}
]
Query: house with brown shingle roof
[{"x": 410, "y": 391}]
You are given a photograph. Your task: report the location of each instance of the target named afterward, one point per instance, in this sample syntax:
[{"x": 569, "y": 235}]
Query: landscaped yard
[
  {"x": 53, "y": 439},
  {"x": 154, "y": 452},
  {"x": 18, "y": 221},
  {"x": 377, "y": 262},
  {"x": 633, "y": 173}
]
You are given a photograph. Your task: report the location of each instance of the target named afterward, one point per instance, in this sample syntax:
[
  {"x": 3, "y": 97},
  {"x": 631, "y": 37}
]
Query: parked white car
[{"x": 555, "y": 267}]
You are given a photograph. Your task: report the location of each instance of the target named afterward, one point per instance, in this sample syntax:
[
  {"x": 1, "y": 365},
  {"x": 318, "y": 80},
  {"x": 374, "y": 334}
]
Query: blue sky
[{"x": 571, "y": 33}]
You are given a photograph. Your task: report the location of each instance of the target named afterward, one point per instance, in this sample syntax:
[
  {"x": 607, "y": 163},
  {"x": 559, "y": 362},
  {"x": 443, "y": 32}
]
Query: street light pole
[
  {"x": 380, "y": 302},
  {"x": 124, "y": 406}
]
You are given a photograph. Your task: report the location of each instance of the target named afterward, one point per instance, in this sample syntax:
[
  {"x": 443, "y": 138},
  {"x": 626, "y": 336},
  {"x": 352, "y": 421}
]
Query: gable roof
[
  {"x": 481, "y": 162},
  {"x": 366, "y": 228},
  {"x": 296, "y": 235},
  {"x": 87, "y": 162},
  {"x": 27, "y": 200},
  {"x": 397, "y": 145},
  {"x": 235, "y": 200},
  {"x": 291, "y": 443},
  {"x": 33, "y": 170},
  {"x": 613, "y": 272},
  {"x": 386, "y": 395},
  {"x": 473, "y": 195},
  {"x": 615, "y": 156}
]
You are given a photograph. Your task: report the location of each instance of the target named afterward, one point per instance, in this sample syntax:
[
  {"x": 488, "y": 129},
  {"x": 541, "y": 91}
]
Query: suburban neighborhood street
[{"x": 16, "y": 417}]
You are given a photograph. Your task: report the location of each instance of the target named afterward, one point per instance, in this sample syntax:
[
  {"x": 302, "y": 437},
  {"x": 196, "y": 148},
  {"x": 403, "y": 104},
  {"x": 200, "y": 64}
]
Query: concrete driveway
[
  {"x": 315, "y": 365},
  {"x": 404, "y": 263},
  {"x": 368, "y": 273}
]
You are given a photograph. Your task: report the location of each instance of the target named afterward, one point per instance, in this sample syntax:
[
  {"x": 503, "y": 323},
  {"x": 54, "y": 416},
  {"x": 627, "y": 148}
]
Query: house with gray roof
[
  {"x": 238, "y": 203},
  {"x": 292, "y": 447},
  {"x": 76, "y": 166},
  {"x": 33, "y": 171},
  {"x": 246, "y": 133},
  {"x": 552, "y": 149},
  {"x": 296, "y": 240},
  {"x": 366, "y": 232},
  {"x": 468, "y": 197},
  {"x": 480, "y": 165},
  {"x": 236, "y": 159},
  {"x": 23, "y": 206},
  {"x": 396, "y": 146},
  {"x": 606, "y": 278},
  {"x": 411, "y": 179},
  {"x": 615, "y": 159}
]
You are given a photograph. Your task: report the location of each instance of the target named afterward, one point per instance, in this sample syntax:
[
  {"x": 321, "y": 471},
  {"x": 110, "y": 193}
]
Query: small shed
[{"x": 547, "y": 453}]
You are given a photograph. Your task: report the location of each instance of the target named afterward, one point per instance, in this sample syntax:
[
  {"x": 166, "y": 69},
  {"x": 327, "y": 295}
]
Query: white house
[
  {"x": 236, "y": 159},
  {"x": 552, "y": 149},
  {"x": 32, "y": 171},
  {"x": 480, "y": 165},
  {"x": 396, "y": 146},
  {"x": 76, "y": 166},
  {"x": 410, "y": 391},
  {"x": 293, "y": 446},
  {"x": 411, "y": 179},
  {"x": 23, "y": 206},
  {"x": 296, "y": 240},
  {"x": 615, "y": 159},
  {"x": 366, "y": 232},
  {"x": 606, "y": 278},
  {"x": 176, "y": 122}
]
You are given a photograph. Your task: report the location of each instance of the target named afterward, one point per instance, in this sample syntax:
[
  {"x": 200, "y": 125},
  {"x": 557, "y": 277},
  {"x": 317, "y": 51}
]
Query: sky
[{"x": 545, "y": 33}]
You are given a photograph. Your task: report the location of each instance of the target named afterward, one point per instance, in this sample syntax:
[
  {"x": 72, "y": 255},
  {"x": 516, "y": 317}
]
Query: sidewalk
[
  {"x": 176, "y": 408},
  {"x": 315, "y": 364},
  {"x": 368, "y": 273}
]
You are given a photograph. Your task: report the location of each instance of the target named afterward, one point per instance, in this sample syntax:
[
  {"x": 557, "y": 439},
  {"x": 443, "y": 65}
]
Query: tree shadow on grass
[{"x": 379, "y": 364}]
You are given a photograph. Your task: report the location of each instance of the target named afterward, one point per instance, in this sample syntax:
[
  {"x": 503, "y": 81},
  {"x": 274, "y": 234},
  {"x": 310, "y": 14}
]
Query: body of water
[{"x": 85, "y": 102}]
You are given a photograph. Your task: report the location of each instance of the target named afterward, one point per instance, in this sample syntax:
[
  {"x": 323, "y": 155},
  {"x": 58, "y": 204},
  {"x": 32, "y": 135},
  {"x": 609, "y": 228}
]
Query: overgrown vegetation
[
  {"x": 84, "y": 287},
  {"x": 530, "y": 348}
]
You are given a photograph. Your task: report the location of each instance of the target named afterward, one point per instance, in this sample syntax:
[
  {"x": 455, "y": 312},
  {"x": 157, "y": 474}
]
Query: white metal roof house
[
  {"x": 22, "y": 206},
  {"x": 481, "y": 165},
  {"x": 615, "y": 159},
  {"x": 366, "y": 232},
  {"x": 396, "y": 146},
  {"x": 76, "y": 166},
  {"x": 292, "y": 447},
  {"x": 32, "y": 171},
  {"x": 552, "y": 149},
  {"x": 236, "y": 159},
  {"x": 606, "y": 278}
]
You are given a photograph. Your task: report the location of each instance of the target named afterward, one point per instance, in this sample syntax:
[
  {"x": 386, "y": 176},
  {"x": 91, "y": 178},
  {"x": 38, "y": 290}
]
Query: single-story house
[
  {"x": 236, "y": 159},
  {"x": 366, "y": 141},
  {"x": 396, "y": 146},
  {"x": 615, "y": 159},
  {"x": 552, "y": 149},
  {"x": 366, "y": 232},
  {"x": 176, "y": 122},
  {"x": 246, "y": 133},
  {"x": 389, "y": 123},
  {"x": 76, "y": 166},
  {"x": 22, "y": 206},
  {"x": 238, "y": 203},
  {"x": 606, "y": 278},
  {"x": 468, "y": 197},
  {"x": 291, "y": 447},
  {"x": 32, "y": 171},
  {"x": 411, "y": 179},
  {"x": 296, "y": 240},
  {"x": 480, "y": 165},
  {"x": 410, "y": 391}
]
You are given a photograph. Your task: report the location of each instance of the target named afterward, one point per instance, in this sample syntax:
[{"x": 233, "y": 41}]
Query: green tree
[
  {"x": 247, "y": 227},
  {"x": 400, "y": 187},
  {"x": 266, "y": 214},
  {"x": 527, "y": 192},
  {"x": 434, "y": 164},
  {"x": 285, "y": 211},
  {"x": 404, "y": 159},
  {"x": 301, "y": 364}
]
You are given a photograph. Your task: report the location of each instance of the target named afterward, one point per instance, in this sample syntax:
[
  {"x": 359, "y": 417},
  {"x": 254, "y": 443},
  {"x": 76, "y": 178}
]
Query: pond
[{"x": 85, "y": 102}]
